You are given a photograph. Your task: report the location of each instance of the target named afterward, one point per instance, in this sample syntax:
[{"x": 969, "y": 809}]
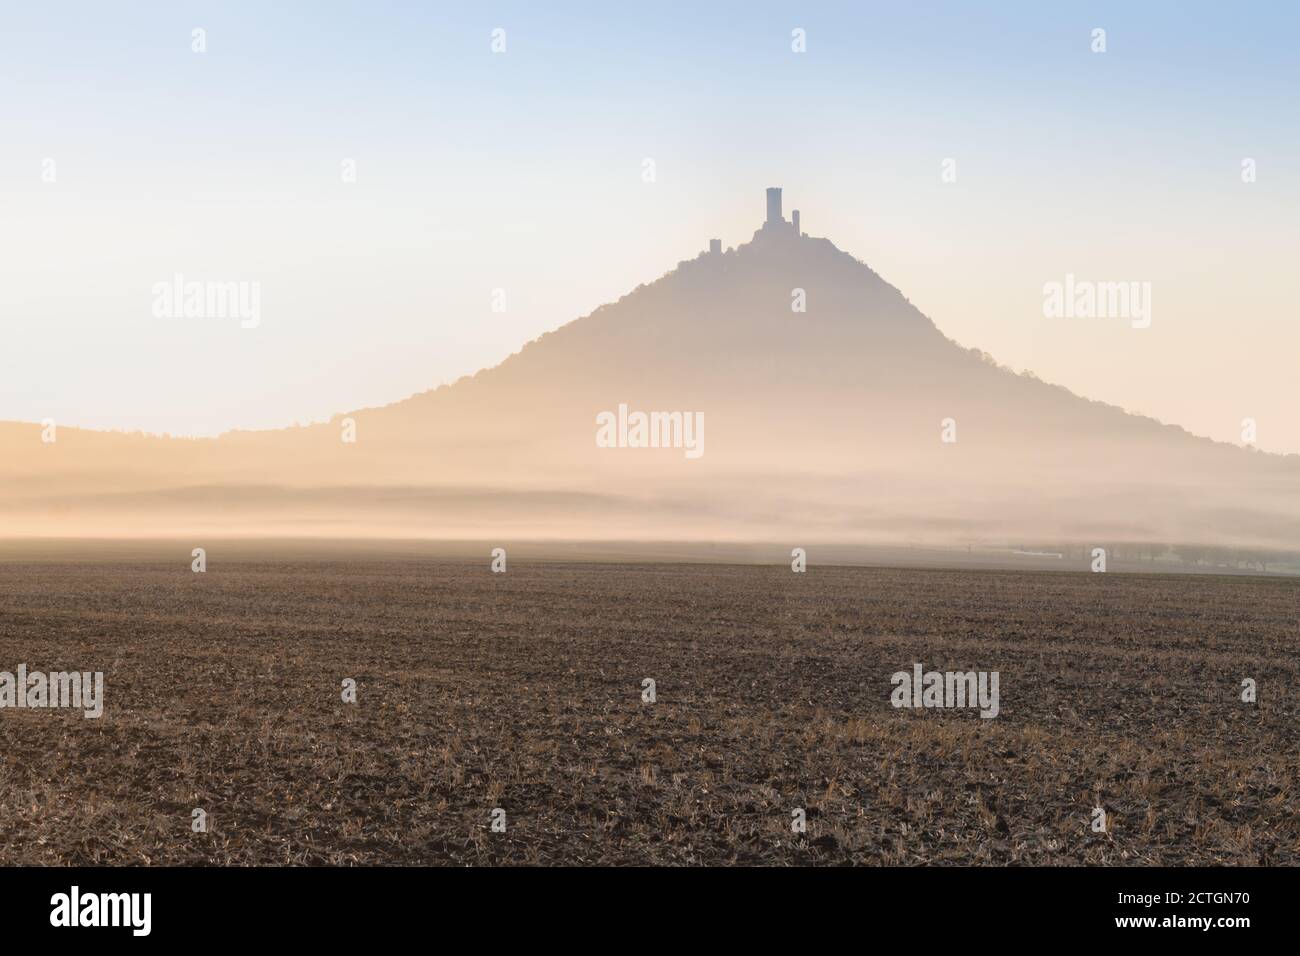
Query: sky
[{"x": 498, "y": 195}]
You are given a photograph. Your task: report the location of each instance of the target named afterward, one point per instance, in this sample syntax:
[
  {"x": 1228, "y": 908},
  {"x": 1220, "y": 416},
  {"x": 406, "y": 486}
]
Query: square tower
[{"x": 774, "y": 206}]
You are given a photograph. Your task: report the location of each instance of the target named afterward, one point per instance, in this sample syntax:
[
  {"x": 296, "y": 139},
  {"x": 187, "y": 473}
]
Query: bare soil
[{"x": 523, "y": 691}]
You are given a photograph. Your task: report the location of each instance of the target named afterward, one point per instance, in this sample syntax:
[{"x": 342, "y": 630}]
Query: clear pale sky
[{"x": 523, "y": 171}]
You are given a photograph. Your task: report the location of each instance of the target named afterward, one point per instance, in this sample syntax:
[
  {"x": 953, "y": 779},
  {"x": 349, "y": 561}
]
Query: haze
[{"x": 524, "y": 171}]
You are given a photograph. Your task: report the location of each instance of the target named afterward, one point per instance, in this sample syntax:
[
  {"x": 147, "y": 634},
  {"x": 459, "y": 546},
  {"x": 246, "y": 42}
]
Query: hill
[{"x": 823, "y": 424}]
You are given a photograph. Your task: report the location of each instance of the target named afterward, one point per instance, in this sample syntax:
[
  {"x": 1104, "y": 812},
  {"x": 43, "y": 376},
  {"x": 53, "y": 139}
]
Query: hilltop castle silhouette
[
  {"x": 774, "y": 222},
  {"x": 774, "y": 217}
]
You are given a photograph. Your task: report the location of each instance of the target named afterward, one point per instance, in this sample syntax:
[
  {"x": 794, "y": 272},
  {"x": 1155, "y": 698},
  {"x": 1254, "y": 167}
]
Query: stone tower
[{"x": 774, "y": 206}]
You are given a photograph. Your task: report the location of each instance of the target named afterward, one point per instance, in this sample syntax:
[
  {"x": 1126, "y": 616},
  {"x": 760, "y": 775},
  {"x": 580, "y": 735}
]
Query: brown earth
[{"x": 523, "y": 691}]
